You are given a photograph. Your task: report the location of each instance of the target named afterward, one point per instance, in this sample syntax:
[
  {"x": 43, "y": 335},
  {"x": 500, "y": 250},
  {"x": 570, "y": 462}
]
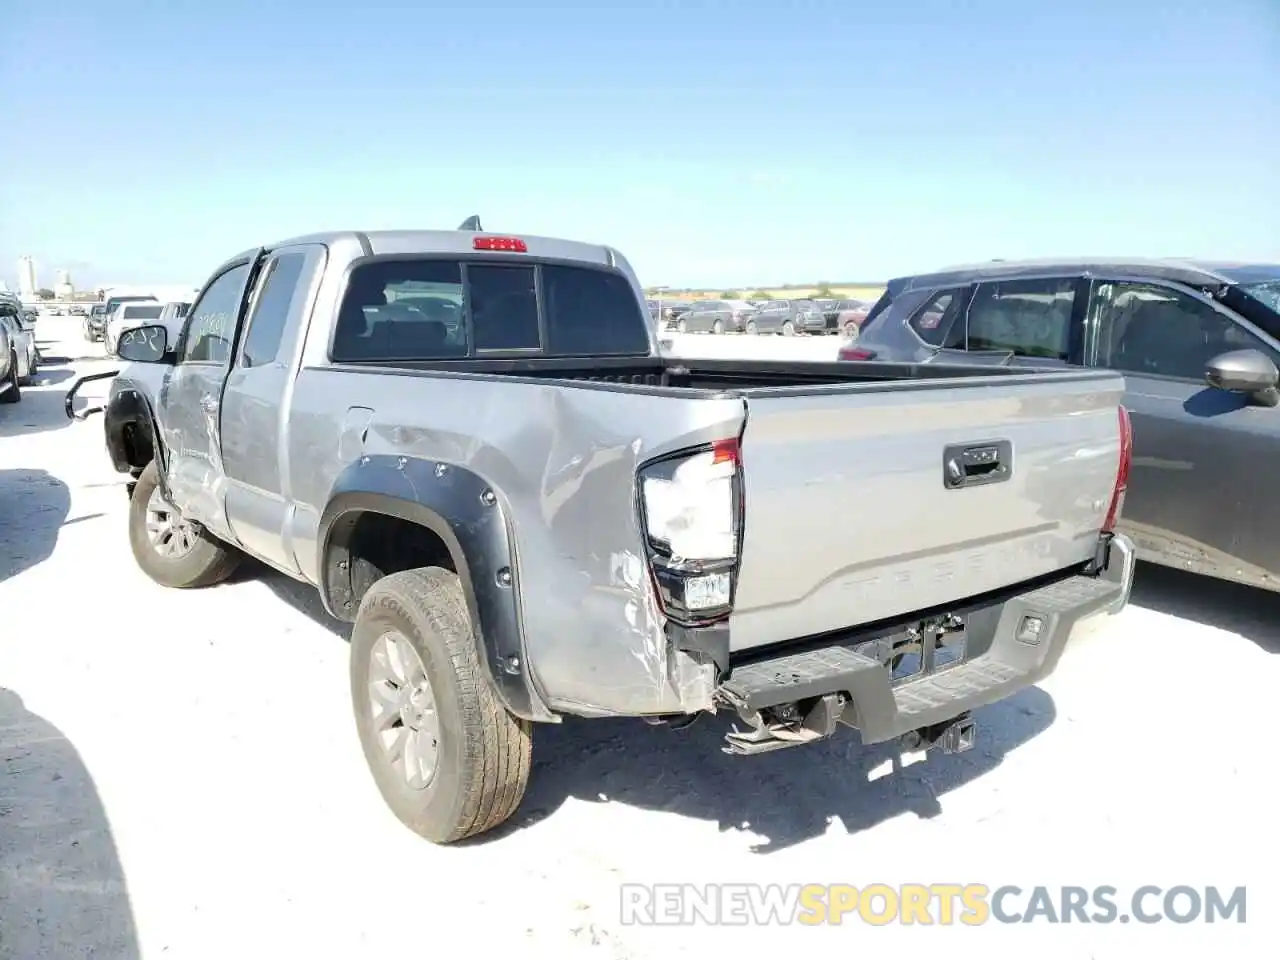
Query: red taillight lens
[
  {"x": 855, "y": 353},
  {"x": 509, "y": 244},
  {"x": 1122, "y": 473}
]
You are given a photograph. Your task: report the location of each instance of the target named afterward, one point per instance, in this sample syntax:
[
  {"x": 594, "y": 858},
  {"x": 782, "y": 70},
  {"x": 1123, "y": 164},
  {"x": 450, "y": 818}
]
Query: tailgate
[{"x": 852, "y": 512}]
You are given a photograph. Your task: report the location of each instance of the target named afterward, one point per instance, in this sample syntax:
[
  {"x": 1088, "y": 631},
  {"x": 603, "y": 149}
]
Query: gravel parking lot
[{"x": 180, "y": 776}]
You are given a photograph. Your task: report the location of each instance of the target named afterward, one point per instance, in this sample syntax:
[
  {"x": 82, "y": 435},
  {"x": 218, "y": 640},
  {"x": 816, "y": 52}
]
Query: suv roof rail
[{"x": 472, "y": 223}]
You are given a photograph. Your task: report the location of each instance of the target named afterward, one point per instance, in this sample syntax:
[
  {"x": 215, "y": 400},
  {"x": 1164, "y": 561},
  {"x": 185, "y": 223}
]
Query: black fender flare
[
  {"x": 467, "y": 514},
  {"x": 127, "y": 406}
]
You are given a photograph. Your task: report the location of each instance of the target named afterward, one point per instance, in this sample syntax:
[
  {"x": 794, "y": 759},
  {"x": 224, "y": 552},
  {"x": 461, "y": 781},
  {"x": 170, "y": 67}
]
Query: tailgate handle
[{"x": 975, "y": 464}]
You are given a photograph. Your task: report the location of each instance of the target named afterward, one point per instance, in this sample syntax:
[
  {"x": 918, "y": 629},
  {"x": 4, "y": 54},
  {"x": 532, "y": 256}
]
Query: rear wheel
[
  {"x": 681, "y": 327},
  {"x": 717, "y": 327},
  {"x": 170, "y": 550},
  {"x": 446, "y": 756},
  {"x": 14, "y": 392},
  {"x": 752, "y": 329}
]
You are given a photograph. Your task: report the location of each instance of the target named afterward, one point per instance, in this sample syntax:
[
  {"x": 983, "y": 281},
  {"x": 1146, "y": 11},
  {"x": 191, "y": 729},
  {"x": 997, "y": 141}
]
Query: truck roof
[{"x": 461, "y": 242}]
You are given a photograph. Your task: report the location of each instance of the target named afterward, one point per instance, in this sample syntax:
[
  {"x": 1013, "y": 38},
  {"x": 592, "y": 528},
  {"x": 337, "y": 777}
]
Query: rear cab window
[{"x": 432, "y": 308}]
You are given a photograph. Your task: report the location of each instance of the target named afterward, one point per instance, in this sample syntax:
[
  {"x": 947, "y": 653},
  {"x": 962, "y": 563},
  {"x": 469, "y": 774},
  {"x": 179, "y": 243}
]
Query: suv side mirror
[
  {"x": 1245, "y": 371},
  {"x": 149, "y": 344}
]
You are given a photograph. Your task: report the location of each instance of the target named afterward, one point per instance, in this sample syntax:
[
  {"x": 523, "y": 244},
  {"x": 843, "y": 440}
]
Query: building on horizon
[{"x": 27, "y": 277}]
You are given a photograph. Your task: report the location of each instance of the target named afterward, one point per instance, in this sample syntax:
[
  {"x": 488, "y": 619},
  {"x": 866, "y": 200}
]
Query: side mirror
[
  {"x": 149, "y": 344},
  {"x": 1245, "y": 371}
]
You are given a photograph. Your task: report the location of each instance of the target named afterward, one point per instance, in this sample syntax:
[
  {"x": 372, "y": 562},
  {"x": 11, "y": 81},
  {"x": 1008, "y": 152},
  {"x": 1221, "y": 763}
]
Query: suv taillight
[
  {"x": 855, "y": 353},
  {"x": 691, "y": 514},
  {"x": 1122, "y": 473}
]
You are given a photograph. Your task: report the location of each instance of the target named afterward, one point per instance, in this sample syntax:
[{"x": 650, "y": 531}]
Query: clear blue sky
[{"x": 719, "y": 143}]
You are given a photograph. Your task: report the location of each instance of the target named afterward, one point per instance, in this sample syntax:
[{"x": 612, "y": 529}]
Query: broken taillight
[
  {"x": 691, "y": 513},
  {"x": 855, "y": 353}
]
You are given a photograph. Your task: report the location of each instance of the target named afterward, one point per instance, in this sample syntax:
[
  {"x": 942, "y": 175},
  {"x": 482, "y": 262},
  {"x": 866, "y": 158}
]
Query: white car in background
[{"x": 127, "y": 316}]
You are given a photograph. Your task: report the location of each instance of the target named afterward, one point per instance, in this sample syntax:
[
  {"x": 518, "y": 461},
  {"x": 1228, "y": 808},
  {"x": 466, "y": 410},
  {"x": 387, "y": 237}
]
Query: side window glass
[
  {"x": 271, "y": 310},
  {"x": 504, "y": 307},
  {"x": 1153, "y": 329},
  {"x": 402, "y": 310},
  {"x": 213, "y": 319},
  {"x": 1031, "y": 318},
  {"x": 935, "y": 322}
]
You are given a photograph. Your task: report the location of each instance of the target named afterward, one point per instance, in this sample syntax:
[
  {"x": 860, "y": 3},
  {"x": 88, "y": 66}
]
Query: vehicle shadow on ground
[
  {"x": 787, "y": 797},
  {"x": 1248, "y": 611},
  {"x": 301, "y": 596},
  {"x": 62, "y": 886},
  {"x": 33, "y": 507}
]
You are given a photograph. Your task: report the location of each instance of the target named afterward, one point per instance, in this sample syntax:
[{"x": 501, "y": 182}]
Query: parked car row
[
  {"x": 1199, "y": 346},
  {"x": 784, "y": 317}
]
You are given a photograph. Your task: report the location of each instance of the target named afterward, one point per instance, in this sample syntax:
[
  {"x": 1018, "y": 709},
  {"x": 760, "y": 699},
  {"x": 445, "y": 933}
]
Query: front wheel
[
  {"x": 718, "y": 327},
  {"x": 788, "y": 329},
  {"x": 170, "y": 550},
  {"x": 447, "y": 757},
  {"x": 681, "y": 327},
  {"x": 752, "y": 329}
]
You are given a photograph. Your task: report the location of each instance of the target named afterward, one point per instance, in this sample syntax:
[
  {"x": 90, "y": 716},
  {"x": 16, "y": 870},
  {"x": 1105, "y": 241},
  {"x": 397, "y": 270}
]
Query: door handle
[{"x": 209, "y": 404}]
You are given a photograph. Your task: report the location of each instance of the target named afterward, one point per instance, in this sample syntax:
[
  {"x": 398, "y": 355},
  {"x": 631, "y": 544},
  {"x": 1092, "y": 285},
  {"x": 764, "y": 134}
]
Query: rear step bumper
[{"x": 795, "y": 697}]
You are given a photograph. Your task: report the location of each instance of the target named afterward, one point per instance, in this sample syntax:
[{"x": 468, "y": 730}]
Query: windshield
[{"x": 1266, "y": 292}]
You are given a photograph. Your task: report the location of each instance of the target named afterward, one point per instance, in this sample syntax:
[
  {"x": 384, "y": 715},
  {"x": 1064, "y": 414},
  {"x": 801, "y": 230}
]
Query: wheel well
[
  {"x": 137, "y": 444},
  {"x": 366, "y": 546}
]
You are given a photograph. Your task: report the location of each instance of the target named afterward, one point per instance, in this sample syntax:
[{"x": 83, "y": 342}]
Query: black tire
[
  {"x": 32, "y": 371},
  {"x": 484, "y": 753},
  {"x": 14, "y": 393},
  {"x": 209, "y": 561},
  {"x": 681, "y": 326},
  {"x": 717, "y": 327},
  {"x": 752, "y": 329},
  {"x": 788, "y": 329}
]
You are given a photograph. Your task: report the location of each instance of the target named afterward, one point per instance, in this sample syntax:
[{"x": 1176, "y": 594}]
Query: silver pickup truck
[{"x": 472, "y": 447}]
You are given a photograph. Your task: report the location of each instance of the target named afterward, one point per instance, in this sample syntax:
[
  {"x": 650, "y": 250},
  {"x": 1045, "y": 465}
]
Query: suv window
[
  {"x": 213, "y": 320},
  {"x": 935, "y": 320},
  {"x": 591, "y": 312},
  {"x": 271, "y": 312},
  {"x": 1152, "y": 329},
  {"x": 1031, "y": 318}
]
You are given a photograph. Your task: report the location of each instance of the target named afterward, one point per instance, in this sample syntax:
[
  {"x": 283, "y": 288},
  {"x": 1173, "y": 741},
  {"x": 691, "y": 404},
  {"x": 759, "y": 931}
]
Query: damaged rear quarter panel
[{"x": 563, "y": 460}]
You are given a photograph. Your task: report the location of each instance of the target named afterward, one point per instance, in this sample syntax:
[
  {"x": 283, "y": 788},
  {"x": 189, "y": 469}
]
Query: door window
[
  {"x": 213, "y": 319},
  {"x": 1030, "y": 318},
  {"x": 271, "y": 310},
  {"x": 1153, "y": 329}
]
